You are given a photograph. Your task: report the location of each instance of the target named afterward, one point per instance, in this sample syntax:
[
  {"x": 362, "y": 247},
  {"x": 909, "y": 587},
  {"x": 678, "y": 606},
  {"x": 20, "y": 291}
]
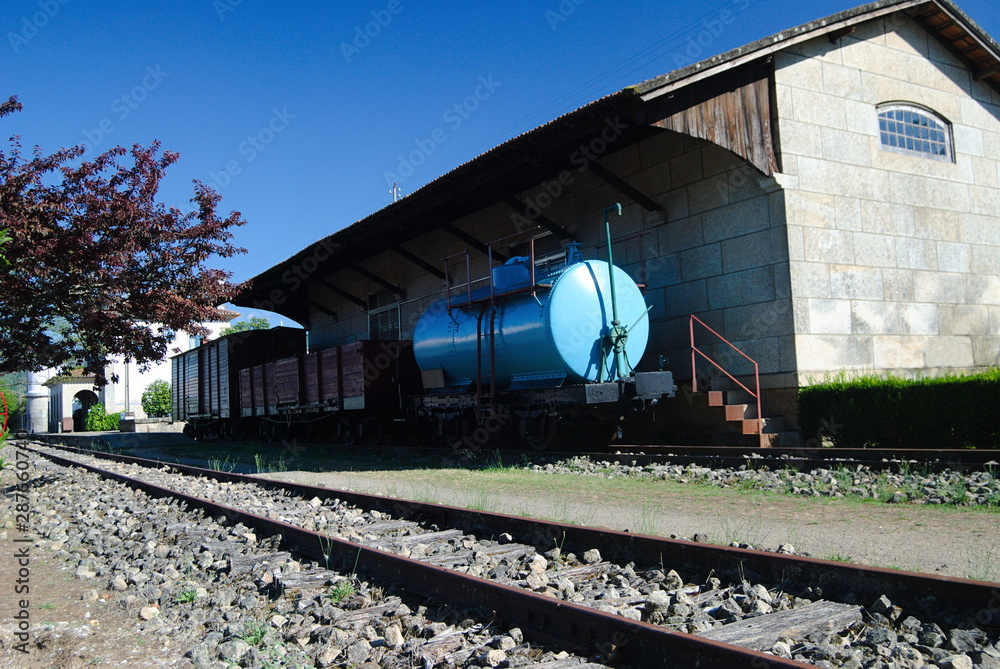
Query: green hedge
[
  {"x": 98, "y": 420},
  {"x": 870, "y": 410}
]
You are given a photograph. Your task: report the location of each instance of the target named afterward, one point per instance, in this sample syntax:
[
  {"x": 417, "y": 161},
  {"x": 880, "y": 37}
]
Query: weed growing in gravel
[
  {"x": 645, "y": 523},
  {"x": 265, "y": 465},
  {"x": 838, "y": 557},
  {"x": 341, "y": 591},
  {"x": 480, "y": 500},
  {"x": 221, "y": 465},
  {"x": 186, "y": 597},
  {"x": 744, "y": 529},
  {"x": 254, "y": 632},
  {"x": 326, "y": 547},
  {"x": 982, "y": 565}
]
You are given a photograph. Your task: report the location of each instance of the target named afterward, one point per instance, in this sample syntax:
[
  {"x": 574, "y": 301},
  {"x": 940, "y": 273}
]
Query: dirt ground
[{"x": 73, "y": 623}]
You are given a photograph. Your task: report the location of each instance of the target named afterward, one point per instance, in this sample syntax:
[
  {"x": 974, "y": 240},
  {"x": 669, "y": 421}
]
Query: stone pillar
[{"x": 38, "y": 405}]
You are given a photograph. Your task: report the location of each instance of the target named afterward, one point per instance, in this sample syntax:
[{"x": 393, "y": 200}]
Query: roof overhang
[{"x": 526, "y": 161}]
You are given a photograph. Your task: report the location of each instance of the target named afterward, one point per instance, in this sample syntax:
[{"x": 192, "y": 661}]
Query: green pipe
[{"x": 617, "y": 335}]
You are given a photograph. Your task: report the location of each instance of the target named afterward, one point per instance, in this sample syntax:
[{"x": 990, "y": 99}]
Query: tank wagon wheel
[{"x": 548, "y": 436}]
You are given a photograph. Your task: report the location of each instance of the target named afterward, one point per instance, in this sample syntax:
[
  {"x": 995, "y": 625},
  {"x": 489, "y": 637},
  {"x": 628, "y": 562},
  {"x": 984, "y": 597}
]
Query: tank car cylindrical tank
[{"x": 558, "y": 335}]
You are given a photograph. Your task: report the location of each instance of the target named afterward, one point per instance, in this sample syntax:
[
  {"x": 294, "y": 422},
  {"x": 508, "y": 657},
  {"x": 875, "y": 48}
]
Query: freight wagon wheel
[
  {"x": 371, "y": 431},
  {"x": 347, "y": 431}
]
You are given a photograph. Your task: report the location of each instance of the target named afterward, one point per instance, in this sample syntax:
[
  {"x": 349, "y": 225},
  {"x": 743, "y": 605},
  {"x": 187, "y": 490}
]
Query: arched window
[{"x": 908, "y": 128}]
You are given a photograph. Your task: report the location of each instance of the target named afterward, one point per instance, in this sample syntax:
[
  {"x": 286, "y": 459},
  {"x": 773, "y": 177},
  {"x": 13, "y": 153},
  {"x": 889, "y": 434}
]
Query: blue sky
[{"x": 301, "y": 113}]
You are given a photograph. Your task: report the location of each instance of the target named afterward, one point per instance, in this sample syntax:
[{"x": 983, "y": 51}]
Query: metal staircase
[{"x": 741, "y": 405}]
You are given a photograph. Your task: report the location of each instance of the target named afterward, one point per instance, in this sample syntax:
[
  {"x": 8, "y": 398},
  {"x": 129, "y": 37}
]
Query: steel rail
[
  {"x": 544, "y": 619},
  {"x": 967, "y": 460},
  {"x": 930, "y": 596}
]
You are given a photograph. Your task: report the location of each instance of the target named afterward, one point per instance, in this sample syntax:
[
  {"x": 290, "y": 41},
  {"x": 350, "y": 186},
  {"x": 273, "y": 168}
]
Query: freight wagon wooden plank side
[
  {"x": 190, "y": 383},
  {"x": 246, "y": 393},
  {"x": 310, "y": 378},
  {"x": 329, "y": 375},
  {"x": 257, "y": 389},
  {"x": 352, "y": 361},
  {"x": 226, "y": 384},
  {"x": 375, "y": 372},
  {"x": 177, "y": 388},
  {"x": 205, "y": 355},
  {"x": 286, "y": 381},
  {"x": 270, "y": 395}
]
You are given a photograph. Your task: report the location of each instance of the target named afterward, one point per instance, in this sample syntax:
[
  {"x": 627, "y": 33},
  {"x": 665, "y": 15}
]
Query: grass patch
[{"x": 838, "y": 557}]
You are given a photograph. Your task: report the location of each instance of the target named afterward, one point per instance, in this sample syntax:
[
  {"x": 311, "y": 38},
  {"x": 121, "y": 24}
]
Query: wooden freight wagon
[
  {"x": 378, "y": 374},
  {"x": 205, "y": 380},
  {"x": 371, "y": 374}
]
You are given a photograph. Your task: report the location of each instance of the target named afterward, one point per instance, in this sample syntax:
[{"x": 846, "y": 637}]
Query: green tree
[
  {"x": 156, "y": 399},
  {"x": 99, "y": 420},
  {"x": 254, "y": 323},
  {"x": 95, "y": 257}
]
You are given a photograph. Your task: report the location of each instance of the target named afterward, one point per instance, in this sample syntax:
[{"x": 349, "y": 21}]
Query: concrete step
[
  {"x": 770, "y": 425},
  {"x": 739, "y": 411}
]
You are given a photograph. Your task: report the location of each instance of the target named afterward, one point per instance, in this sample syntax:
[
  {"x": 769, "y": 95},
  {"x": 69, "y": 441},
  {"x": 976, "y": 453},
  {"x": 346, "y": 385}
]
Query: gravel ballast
[{"x": 655, "y": 595}]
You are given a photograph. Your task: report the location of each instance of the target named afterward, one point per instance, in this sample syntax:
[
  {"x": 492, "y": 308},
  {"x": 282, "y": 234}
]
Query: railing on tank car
[{"x": 694, "y": 372}]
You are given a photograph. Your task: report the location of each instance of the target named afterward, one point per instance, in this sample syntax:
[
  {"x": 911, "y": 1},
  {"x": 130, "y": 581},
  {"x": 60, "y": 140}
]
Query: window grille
[
  {"x": 383, "y": 315},
  {"x": 914, "y": 131}
]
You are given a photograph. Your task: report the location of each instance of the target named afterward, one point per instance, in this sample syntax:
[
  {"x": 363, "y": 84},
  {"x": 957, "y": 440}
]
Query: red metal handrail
[{"x": 694, "y": 371}]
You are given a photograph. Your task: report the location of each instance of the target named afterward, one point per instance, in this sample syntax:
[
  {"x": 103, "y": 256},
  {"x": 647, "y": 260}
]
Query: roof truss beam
[
  {"x": 419, "y": 262},
  {"x": 314, "y": 305},
  {"x": 623, "y": 187},
  {"x": 538, "y": 217},
  {"x": 987, "y": 71},
  {"x": 343, "y": 293},
  {"x": 473, "y": 242},
  {"x": 377, "y": 279}
]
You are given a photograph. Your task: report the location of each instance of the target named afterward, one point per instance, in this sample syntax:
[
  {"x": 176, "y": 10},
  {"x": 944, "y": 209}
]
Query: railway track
[
  {"x": 615, "y": 597},
  {"x": 802, "y": 459}
]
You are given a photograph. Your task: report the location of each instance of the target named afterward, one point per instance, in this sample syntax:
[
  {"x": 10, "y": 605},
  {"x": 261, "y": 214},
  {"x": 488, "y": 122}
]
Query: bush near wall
[
  {"x": 870, "y": 410},
  {"x": 99, "y": 420}
]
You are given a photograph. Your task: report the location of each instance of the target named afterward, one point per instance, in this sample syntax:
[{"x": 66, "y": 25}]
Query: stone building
[{"x": 826, "y": 198}]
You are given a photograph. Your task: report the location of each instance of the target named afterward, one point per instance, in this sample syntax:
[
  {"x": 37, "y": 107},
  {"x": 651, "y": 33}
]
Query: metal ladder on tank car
[{"x": 485, "y": 393}]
